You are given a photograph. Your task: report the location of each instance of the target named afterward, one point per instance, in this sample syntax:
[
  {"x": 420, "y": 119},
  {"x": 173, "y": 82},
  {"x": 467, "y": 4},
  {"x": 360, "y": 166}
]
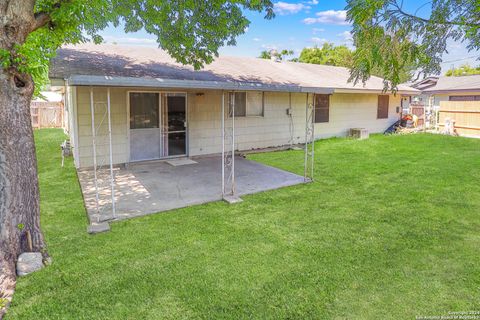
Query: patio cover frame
[{"x": 227, "y": 126}]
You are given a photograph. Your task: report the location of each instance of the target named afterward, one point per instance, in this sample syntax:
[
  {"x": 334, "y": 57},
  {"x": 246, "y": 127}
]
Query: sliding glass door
[{"x": 157, "y": 125}]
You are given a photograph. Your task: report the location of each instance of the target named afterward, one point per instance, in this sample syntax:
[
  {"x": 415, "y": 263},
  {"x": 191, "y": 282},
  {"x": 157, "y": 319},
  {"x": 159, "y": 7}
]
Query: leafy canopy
[
  {"x": 342, "y": 56},
  {"x": 190, "y": 31},
  {"x": 327, "y": 54},
  {"x": 390, "y": 38},
  {"x": 282, "y": 55},
  {"x": 463, "y": 70}
]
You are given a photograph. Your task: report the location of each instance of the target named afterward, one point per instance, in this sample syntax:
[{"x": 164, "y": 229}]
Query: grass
[{"x": 390, "y": 229}]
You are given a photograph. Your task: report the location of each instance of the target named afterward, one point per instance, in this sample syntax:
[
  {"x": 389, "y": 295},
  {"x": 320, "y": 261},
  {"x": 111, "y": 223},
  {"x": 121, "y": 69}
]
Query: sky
[{"x": 298, "y": 24}]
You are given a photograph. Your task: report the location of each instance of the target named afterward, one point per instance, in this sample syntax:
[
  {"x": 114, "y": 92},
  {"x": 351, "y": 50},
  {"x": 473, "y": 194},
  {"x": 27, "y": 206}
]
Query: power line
[{"x": 466, "y": 58}]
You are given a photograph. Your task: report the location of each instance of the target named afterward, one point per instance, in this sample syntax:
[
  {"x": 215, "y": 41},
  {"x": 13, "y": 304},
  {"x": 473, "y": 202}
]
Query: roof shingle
[{"x": 142, "y": 62}]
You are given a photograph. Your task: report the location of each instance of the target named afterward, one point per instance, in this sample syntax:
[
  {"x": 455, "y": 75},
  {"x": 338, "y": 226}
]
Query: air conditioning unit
[{"x": 358, "y": 133}]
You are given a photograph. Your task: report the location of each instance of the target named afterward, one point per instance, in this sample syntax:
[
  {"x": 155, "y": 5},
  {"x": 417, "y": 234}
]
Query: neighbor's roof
[
  {"x": 449, "y": 84},
  {"x": 89, "y": 64}
]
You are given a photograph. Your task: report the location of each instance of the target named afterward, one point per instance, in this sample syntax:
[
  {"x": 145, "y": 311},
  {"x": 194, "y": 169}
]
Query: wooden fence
[
  {"x": 466, "y": 115},
  {"x": 46, "y": 114}
]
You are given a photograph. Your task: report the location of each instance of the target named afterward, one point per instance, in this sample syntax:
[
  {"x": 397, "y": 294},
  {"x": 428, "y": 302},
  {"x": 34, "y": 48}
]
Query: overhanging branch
[
  {"x": 41, "y": 19},
  {"x": 400, "y": 11}
]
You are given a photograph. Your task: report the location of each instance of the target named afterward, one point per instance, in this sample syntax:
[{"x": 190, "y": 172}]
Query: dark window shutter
[
  {"x": 322, "y": 108},
  {"x": 382, "y": 109}
]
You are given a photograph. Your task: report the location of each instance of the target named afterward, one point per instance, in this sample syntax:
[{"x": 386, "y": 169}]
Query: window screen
[
  {"x": 240, "y": 99},
  {"x": 255, "y": 104},
  {"x": 382, "y": 108},
  {"x": 322, "y": 108},
  {"x": 143, "y": 110}
]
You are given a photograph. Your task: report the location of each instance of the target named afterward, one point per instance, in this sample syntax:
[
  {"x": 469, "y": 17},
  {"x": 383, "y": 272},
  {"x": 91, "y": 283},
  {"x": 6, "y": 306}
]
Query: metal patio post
[{"x": 112, "y": 180}]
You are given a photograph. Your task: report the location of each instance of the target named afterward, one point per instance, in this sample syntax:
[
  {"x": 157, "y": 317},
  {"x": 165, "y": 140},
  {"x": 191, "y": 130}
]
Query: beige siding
[
  {"x": 353, "y": 110},
  {"x": 119, "y": 126},
  {"x": 275, "y": 128}
]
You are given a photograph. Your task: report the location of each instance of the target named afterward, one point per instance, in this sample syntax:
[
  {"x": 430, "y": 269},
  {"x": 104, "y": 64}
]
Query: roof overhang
[
  {"x": 108, "y": 81},
  {"x": 447, "y": 91},
  {"x": 376, "y": 91},
  {"x": 89, "y": 80}
]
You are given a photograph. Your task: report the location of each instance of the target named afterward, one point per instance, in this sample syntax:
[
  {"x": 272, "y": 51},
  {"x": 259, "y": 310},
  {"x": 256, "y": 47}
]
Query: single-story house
[
  {"x": 147, "y": 87},
  {"x": 127, "y": 105}
]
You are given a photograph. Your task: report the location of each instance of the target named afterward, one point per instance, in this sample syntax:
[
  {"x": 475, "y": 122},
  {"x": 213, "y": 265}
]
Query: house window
[
  {"x": 255, "y": 104},
  {"x": 382, "y": 108},
  {"x": 322, "y": 108},
  {"x": 144, "y": 110},
  {"x": 464, "y": 98},
  {"x": 246, "y": 104},
  {"x": 237, "y": 101}
]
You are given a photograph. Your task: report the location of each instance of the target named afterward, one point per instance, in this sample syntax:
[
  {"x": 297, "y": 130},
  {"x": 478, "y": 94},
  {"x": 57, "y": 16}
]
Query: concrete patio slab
[{"x": 155, "y": 186}]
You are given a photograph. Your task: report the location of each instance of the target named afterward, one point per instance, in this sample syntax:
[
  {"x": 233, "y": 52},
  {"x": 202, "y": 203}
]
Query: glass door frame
[{"x": 162, "y": 94}]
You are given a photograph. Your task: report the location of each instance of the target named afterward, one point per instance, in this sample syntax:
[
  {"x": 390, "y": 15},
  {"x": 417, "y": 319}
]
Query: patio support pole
[
  {"x": 233, "y": 146},
  {"x": 112, "y": 180},
  {"x": 223, "y": 144},
  {"x": 94, "y": 146},
  {"x": 312, "y": 123},
  {"x": 309, "y": 139},
  {"x": 228, "y": 148},
  {"x": 305, "y": 160}
]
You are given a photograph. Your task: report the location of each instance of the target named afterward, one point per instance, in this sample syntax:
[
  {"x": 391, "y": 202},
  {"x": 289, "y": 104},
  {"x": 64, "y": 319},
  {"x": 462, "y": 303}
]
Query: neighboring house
[
  {"x": 161, "y": 109},
  {"x": 437, "y": 89},
  {"x": 451, "y": 99}
]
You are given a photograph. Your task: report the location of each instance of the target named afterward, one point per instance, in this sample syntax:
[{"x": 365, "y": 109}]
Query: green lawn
[{"x": 390, "y": 229}]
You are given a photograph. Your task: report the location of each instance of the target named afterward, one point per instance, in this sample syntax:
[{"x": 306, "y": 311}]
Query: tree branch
[
  {"x": 446, "y": 22},
  {"x": 41, "y": 19}
]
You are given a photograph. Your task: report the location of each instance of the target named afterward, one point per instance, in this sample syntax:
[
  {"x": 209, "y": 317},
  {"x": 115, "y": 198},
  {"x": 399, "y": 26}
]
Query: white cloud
[
  {"x": 314, "y": 2},
  {"x": 338, "y": 17},
  {"x": 346, "y": 35},
  {"x": 284, "y": 8},
  {"x": 317, "y": 30},
  {"x": 270, "y": 46},
  {"x": 318, "y": 41},
  {"x": 256, "y": 39}
]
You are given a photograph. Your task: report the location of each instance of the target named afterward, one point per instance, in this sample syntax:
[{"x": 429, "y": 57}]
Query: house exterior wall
[
  {"x": 118, "y": 121},
  {"x": 356, "y": 110},
  {"x": 446, "y": 96},
  {"x": 275, "y": 128}
]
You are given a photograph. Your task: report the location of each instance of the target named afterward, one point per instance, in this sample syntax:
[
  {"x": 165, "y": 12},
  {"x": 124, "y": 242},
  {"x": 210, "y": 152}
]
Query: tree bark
[{"x": 19, "y": 195}]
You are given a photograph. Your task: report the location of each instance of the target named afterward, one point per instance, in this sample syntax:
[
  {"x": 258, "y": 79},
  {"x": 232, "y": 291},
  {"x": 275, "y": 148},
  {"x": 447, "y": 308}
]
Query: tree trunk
[{"x": 19, "y": 195}]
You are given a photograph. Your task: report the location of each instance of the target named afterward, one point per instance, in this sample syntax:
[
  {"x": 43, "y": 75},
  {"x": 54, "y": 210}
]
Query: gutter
[
  {"x": 87, "y": 80},
  {"x": 410, "y": 92},
  {"x": 90, "y": 80},
  {"x": 447, "y": 91}
]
